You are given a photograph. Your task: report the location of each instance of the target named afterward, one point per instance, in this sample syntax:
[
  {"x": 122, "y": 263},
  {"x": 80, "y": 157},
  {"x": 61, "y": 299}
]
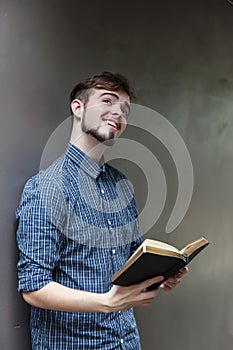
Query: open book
[{"x": 155, "y": 258}]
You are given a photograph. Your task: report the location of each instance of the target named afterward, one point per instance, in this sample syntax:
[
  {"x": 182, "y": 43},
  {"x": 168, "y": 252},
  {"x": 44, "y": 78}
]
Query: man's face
[{"x": 105, "y": 115}]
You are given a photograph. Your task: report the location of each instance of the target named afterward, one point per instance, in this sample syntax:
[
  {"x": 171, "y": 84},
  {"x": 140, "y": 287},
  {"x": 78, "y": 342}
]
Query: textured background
[{"x": 178, "y": 56}]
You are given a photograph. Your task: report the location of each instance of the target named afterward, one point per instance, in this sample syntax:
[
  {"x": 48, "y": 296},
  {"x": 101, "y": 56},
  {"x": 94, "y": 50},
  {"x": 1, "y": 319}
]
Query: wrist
[{"x": 106, "y": 304}]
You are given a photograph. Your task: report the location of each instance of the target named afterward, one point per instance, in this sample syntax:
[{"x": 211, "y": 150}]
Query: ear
[{"x": 77, "y": 108}]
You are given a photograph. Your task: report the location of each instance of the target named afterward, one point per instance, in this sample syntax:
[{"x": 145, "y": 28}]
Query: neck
[{"x": 89, "y": 145}]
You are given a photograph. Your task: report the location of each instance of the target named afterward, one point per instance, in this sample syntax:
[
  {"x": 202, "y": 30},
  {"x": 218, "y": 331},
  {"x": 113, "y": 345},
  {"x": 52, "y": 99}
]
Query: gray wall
[{"x": 178, "y": 55}]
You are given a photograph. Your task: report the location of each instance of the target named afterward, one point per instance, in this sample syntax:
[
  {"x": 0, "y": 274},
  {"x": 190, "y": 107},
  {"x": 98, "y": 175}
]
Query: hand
[
  {"x": 173, "y": 281},
  {"x": 122, "y": 298}
]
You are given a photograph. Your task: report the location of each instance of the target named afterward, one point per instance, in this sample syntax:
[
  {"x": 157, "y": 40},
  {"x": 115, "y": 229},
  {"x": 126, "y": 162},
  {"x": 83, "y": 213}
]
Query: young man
[{"x": 78, "y": 224}]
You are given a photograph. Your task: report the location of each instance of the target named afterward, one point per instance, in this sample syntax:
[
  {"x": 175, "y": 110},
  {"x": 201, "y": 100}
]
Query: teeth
[{"x": 112, "y": 124}]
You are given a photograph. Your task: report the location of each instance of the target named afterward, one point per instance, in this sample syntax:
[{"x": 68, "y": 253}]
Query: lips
[{"x": 113, "y": 123}]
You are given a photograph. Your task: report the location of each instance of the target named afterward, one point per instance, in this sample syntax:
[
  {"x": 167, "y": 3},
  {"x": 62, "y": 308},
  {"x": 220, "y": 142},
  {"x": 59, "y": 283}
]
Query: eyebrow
[
  {"x": 110, "y": 93},
  {"x": 126, "y": 104}
]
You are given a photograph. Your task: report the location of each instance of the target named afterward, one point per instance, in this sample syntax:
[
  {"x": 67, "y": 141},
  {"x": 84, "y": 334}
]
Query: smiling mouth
[{"x": 113, "y": 124}]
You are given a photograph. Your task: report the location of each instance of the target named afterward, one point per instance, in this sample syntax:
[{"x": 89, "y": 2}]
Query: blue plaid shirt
[{"x": 78, "y": 224}]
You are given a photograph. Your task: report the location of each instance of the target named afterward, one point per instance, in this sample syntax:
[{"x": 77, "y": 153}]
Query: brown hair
[{"x": 105, "y": 80}]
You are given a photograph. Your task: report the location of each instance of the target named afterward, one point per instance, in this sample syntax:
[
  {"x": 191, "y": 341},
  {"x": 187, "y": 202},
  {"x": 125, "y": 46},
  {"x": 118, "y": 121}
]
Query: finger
[
  {"x": 147, "y": 301},
  {"x": 173, "y": 281},
  {"x": 144, "y": 285},
  {"x": 166, "y": 287},
  {"x": 170, "y": 283},
  {"x": 182, "y": 272},
  {"x": 147, "y": 296}
]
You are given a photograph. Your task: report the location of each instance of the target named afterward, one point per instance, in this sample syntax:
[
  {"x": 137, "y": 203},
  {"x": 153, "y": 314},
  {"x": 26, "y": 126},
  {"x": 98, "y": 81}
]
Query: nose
[{"x": 117, "y": 110}]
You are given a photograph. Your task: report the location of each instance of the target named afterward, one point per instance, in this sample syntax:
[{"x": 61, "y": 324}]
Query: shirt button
[
  {"x": 102, "y": 191},
  {"x": 113, "y": 251},
  {"x": 122, "y": 341},
  {"x": 109, "y": 222},
  {"x": 119, "y": 312}
]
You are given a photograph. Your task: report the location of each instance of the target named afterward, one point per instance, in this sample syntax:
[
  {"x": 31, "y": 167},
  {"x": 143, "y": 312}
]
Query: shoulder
[
  {"x": 49, "y": 178},
  {"x": 43, "y": 188}
]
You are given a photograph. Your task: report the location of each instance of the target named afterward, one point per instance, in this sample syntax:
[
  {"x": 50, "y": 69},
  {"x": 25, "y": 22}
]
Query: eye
[{"x": 107, "y": 101}]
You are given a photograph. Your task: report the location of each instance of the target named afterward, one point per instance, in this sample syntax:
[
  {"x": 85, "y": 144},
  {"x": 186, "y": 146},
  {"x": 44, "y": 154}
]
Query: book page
[
  {"x": 193, "y": 246},
  {"x": 160, "y": 245}
]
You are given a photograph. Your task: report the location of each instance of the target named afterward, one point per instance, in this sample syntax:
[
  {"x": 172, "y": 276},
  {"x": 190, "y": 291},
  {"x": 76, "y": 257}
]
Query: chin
[{"x": 106, "y": 140}]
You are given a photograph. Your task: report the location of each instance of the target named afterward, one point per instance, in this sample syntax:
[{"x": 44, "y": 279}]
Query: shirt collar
[{"x": 84, "y": 162}]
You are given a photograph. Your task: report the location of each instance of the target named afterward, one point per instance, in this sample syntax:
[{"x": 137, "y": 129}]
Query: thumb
[{"x": 151, "y": 281}]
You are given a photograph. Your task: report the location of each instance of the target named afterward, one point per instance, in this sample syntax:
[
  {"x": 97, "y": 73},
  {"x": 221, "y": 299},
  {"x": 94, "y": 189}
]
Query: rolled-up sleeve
[{"x": 38, "y": 237}]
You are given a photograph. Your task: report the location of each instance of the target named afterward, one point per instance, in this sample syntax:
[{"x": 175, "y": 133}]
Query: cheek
[
  {"x": 123, "y": 126},
  {"x": 91, "y": 119},
  {"x": 97, "y": 113}
]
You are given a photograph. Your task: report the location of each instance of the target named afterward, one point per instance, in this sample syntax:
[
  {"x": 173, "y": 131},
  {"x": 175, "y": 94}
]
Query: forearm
[{"x": 55, "y": 296}]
